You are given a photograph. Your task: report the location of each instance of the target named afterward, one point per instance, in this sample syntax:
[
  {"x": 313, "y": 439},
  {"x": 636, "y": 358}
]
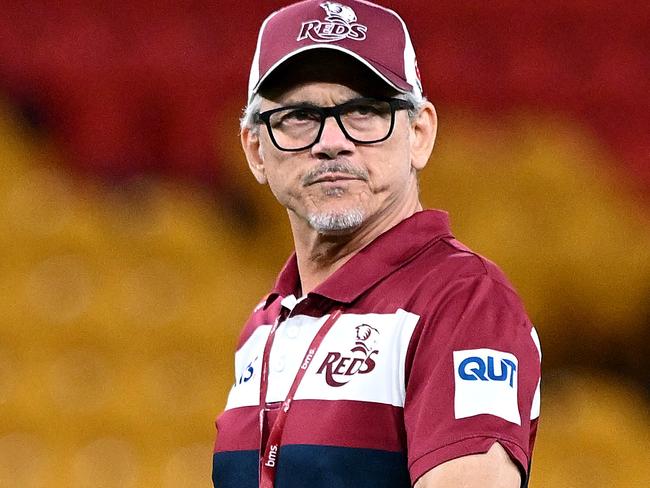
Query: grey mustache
[{"x": 338, "y": 167}]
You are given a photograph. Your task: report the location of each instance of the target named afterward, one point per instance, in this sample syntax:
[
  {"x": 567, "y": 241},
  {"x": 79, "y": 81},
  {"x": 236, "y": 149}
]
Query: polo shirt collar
[{"x": 383, "y": 256}]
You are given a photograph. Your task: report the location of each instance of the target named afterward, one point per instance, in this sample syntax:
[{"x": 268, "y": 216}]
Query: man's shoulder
[
  {"x": 442, "y": 268},
  {"x": 448, "y": 260},
  {"x": 457, "y": 260}
]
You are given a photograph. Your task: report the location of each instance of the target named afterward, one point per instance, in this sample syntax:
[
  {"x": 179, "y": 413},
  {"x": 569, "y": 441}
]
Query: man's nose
[{"x": 332, "y": 141}]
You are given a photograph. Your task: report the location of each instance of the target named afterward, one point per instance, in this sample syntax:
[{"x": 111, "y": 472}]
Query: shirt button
[
  {"x": 292, "y": 331},
  {"x": 278, "y": 365}
]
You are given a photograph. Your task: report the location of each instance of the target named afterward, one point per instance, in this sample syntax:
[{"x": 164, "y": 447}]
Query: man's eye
[
  {"x": 294, "y": 117},
  {"x": 299, "y": 115},
  {"x": 367, "y": 109}
]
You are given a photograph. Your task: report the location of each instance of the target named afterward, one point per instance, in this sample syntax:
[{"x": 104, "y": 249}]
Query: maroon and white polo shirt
[{"x": 433, "y": 358}]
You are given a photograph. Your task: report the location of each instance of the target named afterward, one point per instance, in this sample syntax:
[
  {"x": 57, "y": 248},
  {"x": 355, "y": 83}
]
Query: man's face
[{"x": 338, "y": 186}]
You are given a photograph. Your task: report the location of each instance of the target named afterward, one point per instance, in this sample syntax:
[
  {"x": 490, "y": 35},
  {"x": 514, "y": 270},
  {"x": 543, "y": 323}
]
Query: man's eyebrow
[{"x": 299, "y": 103}]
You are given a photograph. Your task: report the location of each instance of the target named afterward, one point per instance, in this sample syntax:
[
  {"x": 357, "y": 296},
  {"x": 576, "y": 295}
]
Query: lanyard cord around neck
[{"x": 269, "y": 454}]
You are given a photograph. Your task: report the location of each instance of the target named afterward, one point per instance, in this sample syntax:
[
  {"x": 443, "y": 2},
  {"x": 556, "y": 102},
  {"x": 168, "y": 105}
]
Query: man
[{"x": 387, "y": 354}]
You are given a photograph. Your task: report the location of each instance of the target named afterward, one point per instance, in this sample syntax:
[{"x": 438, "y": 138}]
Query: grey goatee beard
[
  {"x": 326, "y": 223},
  {"x": 344, "y": 220}
]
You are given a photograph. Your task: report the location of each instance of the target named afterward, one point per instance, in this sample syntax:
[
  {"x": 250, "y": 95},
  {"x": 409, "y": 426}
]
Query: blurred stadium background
[{"x": 134, "y": 243}]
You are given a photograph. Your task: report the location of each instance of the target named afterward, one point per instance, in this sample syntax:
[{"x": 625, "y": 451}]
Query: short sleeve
[{"x": 473, "y": 376}]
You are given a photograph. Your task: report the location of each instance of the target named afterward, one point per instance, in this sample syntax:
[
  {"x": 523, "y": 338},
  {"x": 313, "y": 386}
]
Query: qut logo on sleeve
[{"x": 486, "y": 383}]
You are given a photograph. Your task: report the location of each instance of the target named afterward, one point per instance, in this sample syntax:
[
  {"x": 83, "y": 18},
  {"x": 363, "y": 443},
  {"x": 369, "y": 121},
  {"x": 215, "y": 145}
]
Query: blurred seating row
[
  {"x": 120, "y": 306},
  {"x": 144, "y": 88}
]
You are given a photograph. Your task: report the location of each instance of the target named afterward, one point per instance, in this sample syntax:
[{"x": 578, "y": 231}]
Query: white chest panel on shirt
[{"x": 362, "y": 358}]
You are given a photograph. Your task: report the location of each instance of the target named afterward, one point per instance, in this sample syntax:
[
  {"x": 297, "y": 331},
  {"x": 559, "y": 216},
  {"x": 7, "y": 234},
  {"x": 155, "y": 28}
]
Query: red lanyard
[{"x": 269, "y": 460}]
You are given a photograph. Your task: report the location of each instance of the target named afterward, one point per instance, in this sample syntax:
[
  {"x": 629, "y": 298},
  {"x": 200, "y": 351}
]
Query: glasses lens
[
  {"x": 295, "y": 128},
  {"x": 367, "y": 120}
]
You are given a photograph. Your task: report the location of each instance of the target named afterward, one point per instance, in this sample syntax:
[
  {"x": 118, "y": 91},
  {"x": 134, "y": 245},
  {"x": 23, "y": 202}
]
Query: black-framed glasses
[{"x": 362, "y": 120}]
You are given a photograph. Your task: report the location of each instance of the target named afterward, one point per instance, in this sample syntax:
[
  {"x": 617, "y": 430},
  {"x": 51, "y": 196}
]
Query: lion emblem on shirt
[
  {"x": 366, "y": 339},
  {"x": 339, "y": 367}
]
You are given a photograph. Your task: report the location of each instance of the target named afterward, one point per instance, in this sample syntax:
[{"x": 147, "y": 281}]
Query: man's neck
[{"x": 321, "y": 255}]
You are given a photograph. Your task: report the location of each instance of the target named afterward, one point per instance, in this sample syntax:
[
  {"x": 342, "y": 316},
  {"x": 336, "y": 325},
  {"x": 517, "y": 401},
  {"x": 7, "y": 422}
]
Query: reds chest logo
[
  {"x": 340, "y": 23},
  {"x": 339, "y": 369}
]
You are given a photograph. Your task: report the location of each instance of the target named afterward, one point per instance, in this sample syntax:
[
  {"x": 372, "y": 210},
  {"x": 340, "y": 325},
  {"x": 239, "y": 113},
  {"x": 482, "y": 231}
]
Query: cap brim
[{"x": 382, "y": 72}]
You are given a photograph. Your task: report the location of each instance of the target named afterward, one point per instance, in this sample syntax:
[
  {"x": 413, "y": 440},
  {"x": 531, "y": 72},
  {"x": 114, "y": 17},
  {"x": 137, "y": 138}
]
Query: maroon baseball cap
[{"x": 373, "y": 35}]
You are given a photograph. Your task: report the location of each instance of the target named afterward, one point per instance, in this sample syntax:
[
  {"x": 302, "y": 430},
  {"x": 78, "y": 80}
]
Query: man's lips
[
  {"x": 332, "y": 178},
  {"x": 334, "y": 171}
]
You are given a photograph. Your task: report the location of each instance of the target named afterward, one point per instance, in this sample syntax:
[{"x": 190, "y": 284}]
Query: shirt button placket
[
  {"x": 293, "y": 331},
  {"x": 279, "y": 364}
]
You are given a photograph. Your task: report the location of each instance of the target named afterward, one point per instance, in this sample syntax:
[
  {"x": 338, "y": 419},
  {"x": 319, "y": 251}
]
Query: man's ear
[
  {"x": 250, "y": 141},
  {"x": 423, "y": 135}
]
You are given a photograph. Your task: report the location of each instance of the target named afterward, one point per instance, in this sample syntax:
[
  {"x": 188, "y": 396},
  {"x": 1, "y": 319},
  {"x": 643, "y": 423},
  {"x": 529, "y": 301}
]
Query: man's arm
[{"x": 494, "y": 469}]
